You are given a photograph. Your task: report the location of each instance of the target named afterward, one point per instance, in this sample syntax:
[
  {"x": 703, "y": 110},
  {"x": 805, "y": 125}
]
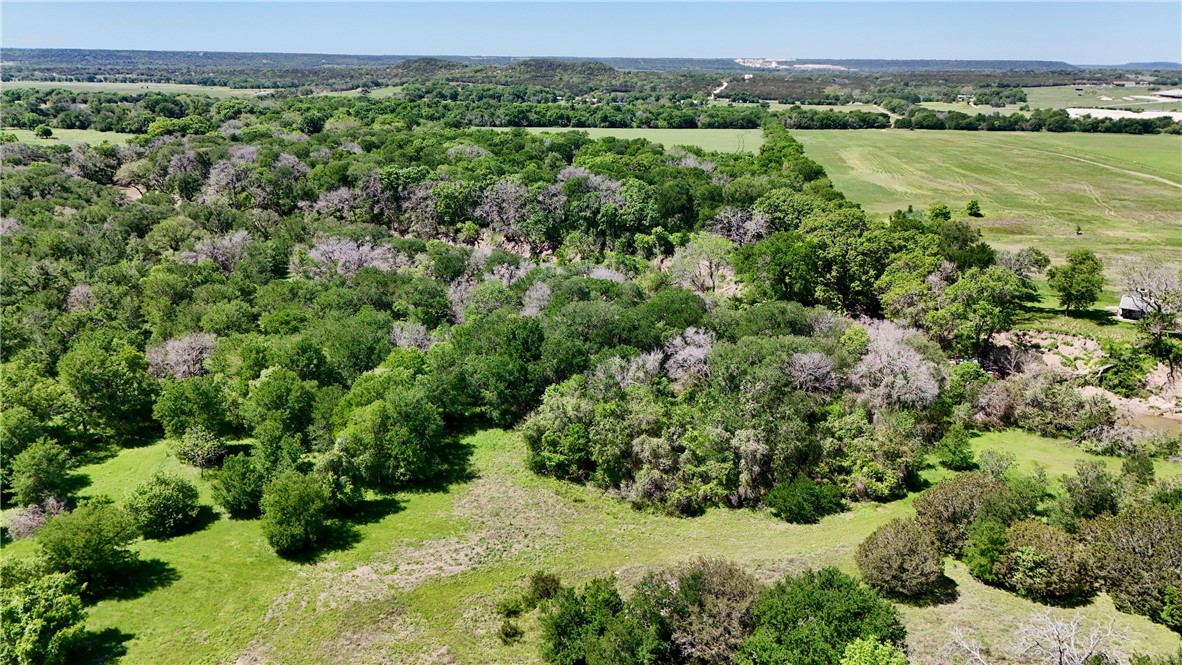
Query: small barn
[{"x": 1133, "y": 306}]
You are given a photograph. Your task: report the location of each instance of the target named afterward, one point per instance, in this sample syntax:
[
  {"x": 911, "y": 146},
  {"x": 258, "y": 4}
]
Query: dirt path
[{"x": 718, "y": 89}]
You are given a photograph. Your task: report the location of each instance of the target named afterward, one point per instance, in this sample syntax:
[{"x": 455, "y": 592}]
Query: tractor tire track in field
[
  {"x": 1099, "y": 201},
  {"x": 1138, "y": 174}
]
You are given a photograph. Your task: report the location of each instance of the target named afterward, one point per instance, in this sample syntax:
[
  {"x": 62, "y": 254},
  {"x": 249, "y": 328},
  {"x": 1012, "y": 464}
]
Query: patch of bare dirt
[{"x": 506, "y": 520}]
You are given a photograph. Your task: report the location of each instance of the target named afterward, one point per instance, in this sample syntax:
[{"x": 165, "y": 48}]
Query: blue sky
[{"x": 1077, "y": 32}]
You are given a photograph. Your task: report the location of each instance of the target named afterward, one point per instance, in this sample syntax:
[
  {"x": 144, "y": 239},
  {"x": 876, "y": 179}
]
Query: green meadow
[
  {"x": 69, "y": 136},
  {"x": 419, "y": 578},
  {"x": 134, "y": 88},
  {"x": 721, "y": 140},
  {"x": 1119, "y": 195}
]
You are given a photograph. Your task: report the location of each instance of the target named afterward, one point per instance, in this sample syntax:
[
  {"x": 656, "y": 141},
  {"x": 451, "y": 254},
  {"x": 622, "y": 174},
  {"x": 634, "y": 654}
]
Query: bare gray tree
[
  {"x": 812, "y": 372},
  {"x": 536, "y": 298},
  {"x": 893, "y": 373},
  {"x": 181, "y": 357},
  {"x": 687, "y": 357},
  {"x": 411, "y": 335}
]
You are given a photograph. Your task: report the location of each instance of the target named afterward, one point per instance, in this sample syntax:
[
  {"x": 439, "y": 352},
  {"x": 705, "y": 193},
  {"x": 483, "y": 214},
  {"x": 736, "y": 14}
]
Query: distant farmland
[
  {"x": 1123, "y": 192},
  {"x": 133, "y": 88},
  {"x": 69, "y": 136},
  {"x": 721, "y": 140}
]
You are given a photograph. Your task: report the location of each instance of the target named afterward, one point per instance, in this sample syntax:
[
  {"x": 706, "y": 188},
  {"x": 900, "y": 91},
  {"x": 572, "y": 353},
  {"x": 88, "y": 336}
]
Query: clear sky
[{"x": 1076, "y": 32}]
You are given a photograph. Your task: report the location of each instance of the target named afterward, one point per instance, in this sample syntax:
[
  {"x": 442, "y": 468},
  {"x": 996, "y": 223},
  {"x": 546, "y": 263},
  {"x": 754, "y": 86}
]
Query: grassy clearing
[
  {"x": 1092, "y": 96},
  {"x": 1057, "y": 457},
  {"x": 134, "y": 88},
  {"x": 720, "y": 140},
  {"x": 70, "y": 137},
  {"x": 421, "y": 581},
  {"x": 374, "y": 93},
  {"x": 1123, "y": 192}
]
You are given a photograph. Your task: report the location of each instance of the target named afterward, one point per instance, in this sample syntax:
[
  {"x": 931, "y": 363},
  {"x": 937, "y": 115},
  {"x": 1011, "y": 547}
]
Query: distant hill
[
  {"x": 134, "y": 60},
  {"x": 1139, "y": 66}
]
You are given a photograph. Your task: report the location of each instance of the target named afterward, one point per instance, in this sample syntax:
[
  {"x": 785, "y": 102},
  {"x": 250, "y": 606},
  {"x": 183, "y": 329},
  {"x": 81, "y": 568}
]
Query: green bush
[
  {"x": 543, "y": 585},
  {"x": 810, "y": 619},
  {"x": 1136, "y": 555},
  {"x": 509, "y": 632},
  {"x": 864, "y": 651},
  {"x": 901, "y": 558},
  {"x": 573, "y": 621},
  {"x": 41, "y": 620},
  {"x": 987, "y": 542},
  {"x": 162, "y": 506},
  {"x": 90, "y": 542},
  {"x": 238, "y": 486},
  {"x": 1044, "y": 563},
  {"x": 800, "y": 501},
  {"x": 295, "y": 508},
  {"x": 948, "y": 508}
]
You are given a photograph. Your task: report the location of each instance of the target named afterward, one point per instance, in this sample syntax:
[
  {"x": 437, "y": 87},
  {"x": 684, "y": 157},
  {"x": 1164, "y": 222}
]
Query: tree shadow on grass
[
  {"x": 206, "y": 516},
  {"x": 944, "y": 593},
  {"x": 105, "y": 646},
  {"x": 374, "y": 510},
  {"x": 453, "y": 466},
  {"x": 140, "y": 576},
  {"x": 338, "y": 535}
]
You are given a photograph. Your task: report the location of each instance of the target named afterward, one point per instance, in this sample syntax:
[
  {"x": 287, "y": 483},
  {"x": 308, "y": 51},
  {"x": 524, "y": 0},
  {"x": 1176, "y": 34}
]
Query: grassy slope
[
  {"x": 421, "y": 582},
  {"x": 133, "y": 88},
  {"x": 1124, "y": 192},
  {"x": 722, "y": 140}
]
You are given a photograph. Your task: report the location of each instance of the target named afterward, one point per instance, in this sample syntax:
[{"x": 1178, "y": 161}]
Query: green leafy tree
[
  {"x": 393, "y": 440},
  {"x": 295, "y": 512},
  {"x": 108, "y": 377},
  {"x": 40, "y": 471},
  {"x": 1079, "y": 282},
  {"x": 811, "y": 618},
  {"x": 238, "y": 486},
  {"x": 948, "y": 508},
  {"x": 954, "y": 450},
  {"x": 41, "y": 620},
  {"x": 902, "y": 559},
  {"x": 200, "y": 448},
  {"x": 43, "y": 132},
  {"x": 163, "y": 505},
  {"x": 973, "y": 209},
  {"x": 279, "y": 396},
  {"x": 90, "y": 542},
  {"x": 1092, "y": 491},
  {"x": 783, "y": 266}
]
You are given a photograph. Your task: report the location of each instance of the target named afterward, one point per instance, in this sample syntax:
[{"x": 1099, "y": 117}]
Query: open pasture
[
  {"x": 1105, "y": 96},
  {"x": 134, "y": 88},
  {"x": 720, "y": 140},
  {"x": 1118, "y": 195},
  {"x": 69, "y": 136},
  {"x": 418, "y": 581}
]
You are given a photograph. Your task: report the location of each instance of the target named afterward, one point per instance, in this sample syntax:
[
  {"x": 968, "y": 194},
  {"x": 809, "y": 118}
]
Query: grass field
[
  {"x": 421, "y": 579},
  {"x": 135, "y": 88},
  {"x": 70, "y": 136},
  {"x": 1123, "y": 192},
  {"x": 374, "y": 93},
  {"x": 721, "y": 140},
  {"x": 1064, "y": 96}
]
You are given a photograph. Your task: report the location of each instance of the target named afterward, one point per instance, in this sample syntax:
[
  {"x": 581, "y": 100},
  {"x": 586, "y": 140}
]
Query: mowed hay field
[
  {"x": 721, "y": 140},
  {"x": 419, "y": 580},
  {"x": 134, "y": 88},
  {"x": 1124, "y": 192}
]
